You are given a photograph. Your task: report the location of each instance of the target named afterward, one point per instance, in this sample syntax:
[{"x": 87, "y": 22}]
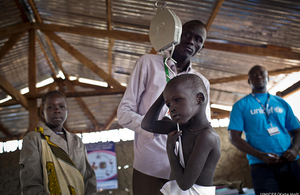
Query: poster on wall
[{"x": 102, "y": 157}]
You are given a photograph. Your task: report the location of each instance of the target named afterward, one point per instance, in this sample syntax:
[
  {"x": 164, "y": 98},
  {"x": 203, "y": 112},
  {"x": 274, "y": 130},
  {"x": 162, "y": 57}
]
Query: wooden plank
[
  {"x": 14, "y": 29},
  {"x": 35, "y": 11},
  {"x": 108, "y": 14},
  {"x": 111, "y": 41},
  {"x": 47, "y": 58},
  {"x": 13, "y": 92},
  {"x": 110, "y": 120},
  {"x": 290, "y": 90},
  {"x": 245, "y": 76},
  {"x": 32, "y": 102},
  {"x": 84, "y": 60},
  {"x": 103, "y": 91},
  {"x": 285, "y": 53},
  {"x": 93, "y": 32},
  {"x": 23, "y": 14},
  {"x": 10, "y": 43},
  {"x": 251, "y": 50},
  {"x": 9, "y": 103},
  {"x": 32, "y": 68},
  {"x": 213, "y": 15},
  {"x": 54, "y": 54}
]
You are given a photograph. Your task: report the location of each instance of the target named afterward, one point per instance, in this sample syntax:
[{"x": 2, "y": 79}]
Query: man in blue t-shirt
[{"x": 272, "y": 136}]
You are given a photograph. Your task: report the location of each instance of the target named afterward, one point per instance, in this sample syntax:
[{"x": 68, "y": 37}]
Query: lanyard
[
  {"x": 167, "y": 68},
  {"x": 265, "y": 108}
]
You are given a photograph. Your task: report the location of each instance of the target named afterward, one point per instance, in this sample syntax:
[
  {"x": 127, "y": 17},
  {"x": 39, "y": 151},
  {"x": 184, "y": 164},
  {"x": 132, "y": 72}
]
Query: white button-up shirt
[{"x": 147, "y": 82}]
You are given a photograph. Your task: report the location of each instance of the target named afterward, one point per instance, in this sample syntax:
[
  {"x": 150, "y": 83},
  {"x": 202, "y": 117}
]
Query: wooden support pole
[{"x": 32, "y": 102}]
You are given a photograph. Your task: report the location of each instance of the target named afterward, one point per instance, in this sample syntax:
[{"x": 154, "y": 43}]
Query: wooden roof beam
[
  {"x": 35, "y": 11},
  {"x": 32, "y": 78},
  {"x": 23, "y": 14},
  {"x": 13, "y": 92},
  {"x": 245, "y": 76},
  {"x": 214, "y": 14},
  {"x": 10, "y": 43},
  {"x": 290, "y": 90},
  {"x": 104, "y": 91},
  {"x": 111, "y": 41},
  {"x": 47, "y": 58},
  {"x": 278, "y": 52},
  {"x": 219, "y": 113},
  {"x": 93, "y": 32},
  {"x": 14, "y": 29},
  {"x": 110, "y": 120},
  {"x": 84, "y": 60}
]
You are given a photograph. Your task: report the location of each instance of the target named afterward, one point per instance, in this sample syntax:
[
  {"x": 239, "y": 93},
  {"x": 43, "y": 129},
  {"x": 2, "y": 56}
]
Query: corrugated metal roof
[{"x": 259, "y": 23}]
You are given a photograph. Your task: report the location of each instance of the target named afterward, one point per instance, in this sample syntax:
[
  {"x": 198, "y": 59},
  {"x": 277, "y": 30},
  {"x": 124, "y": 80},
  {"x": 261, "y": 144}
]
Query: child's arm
[
  {"x": 151, "y": 123},
  {"x": 204, "y": 144},
  {"x": 31, "y": 175},
  {"x": 90, "y": 182}
]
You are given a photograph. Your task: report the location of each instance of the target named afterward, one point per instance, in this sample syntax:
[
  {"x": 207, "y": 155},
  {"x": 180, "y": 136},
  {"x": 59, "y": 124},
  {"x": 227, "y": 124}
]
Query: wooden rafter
[
  {"x": 102, "y": 91},
  {"x": 219, "y": 114},
  {"x": 13, "y": 92},
  {"x": 111, "y": 41},
  {"x": 245, "y": 76},
  {"x": 32, "y": 68},
  {"x": 14, "y": 29},
  {"x": 10, "y": 43},
  {"x": 84, "y": 60},
  {"x": 47, "y": 58},
  {"x": 22, "y": 12},
  {"x": 88, "y": 31},
  {"x": 110, "y": 120},
  {"x": 214, "y": 13},
  {"x": 278, "y": 52},
  {"x": 35, "y": 11},
  {"x": 290, "y": 90}
]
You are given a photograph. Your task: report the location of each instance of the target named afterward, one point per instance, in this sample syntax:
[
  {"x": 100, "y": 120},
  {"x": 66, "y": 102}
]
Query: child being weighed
[{"x": 192, "y": 170}]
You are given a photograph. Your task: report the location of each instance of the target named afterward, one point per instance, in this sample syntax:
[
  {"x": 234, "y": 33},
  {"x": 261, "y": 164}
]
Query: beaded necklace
[{"x": 200, "y": 128}]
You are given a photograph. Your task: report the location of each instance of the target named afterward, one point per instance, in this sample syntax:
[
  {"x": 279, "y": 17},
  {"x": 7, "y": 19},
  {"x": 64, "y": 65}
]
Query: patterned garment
[
  {"x": 50, "y": 163},
  {"x": 60, "y": 173}
]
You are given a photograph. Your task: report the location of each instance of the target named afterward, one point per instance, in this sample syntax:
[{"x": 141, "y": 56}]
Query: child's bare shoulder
[{"x": 208, "y": 136}]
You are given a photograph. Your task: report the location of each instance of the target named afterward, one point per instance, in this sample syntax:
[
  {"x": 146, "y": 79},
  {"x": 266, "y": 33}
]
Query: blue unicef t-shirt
[{"x": 249, "y": 116}]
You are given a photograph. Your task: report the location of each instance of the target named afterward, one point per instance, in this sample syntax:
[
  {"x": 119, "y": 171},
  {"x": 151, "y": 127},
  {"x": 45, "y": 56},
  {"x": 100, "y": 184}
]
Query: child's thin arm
[
  {"x": 152, "y": 124},
  {"x": 186, "y": 177}
]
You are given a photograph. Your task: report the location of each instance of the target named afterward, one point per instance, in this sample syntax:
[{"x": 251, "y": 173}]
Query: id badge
[{"x": 273, "y": 131}]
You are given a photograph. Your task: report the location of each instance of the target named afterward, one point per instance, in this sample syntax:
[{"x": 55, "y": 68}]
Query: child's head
[
  {"x": 54, "y": 108},
  {"x": 186, "y": 97}
]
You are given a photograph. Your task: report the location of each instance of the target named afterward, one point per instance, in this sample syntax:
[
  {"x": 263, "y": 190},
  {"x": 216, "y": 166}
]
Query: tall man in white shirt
[{"x": 151, "y": 167}]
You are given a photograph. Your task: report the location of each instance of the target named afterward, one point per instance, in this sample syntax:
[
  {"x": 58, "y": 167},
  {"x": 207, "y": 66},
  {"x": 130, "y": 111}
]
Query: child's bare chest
[{"x": 188, "y": 143}]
